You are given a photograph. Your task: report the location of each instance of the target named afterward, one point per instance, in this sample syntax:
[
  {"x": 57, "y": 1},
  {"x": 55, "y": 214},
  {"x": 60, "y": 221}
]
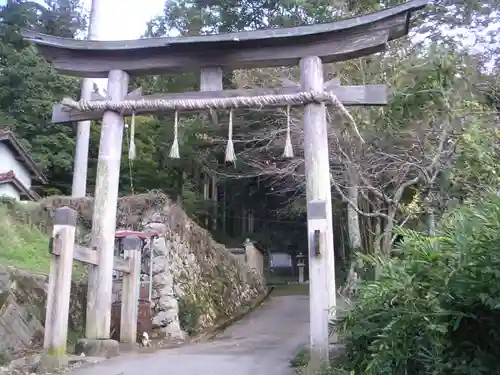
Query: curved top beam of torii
[{"x": 335, "y": 41}]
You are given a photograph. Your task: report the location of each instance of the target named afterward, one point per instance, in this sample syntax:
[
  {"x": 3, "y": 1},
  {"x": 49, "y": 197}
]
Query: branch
[
  {"x": 401, "y": 189},
  {"x": 354, "y": 206}
]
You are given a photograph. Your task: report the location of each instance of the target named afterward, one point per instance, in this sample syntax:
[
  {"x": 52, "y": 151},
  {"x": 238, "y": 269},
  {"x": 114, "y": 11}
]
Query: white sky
[{"x": 124, "y": 19}]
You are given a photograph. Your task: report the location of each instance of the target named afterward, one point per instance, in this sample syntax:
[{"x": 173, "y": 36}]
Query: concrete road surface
[{"x": 261, "y": 343}]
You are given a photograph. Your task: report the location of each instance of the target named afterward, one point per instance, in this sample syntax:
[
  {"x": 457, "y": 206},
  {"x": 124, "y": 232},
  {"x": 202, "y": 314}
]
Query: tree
[{"x": 29, "y": 86}]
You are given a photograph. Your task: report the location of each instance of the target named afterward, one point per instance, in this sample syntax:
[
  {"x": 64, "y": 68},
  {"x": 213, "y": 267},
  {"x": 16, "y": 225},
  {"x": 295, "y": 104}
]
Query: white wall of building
[
  {"x": 9, "y": 191},
  {"x": 9, "y": 163}
]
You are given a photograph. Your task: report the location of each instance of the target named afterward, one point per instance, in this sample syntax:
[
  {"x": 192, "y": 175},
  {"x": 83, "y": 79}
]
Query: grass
[
  {"x": 23, "y": 245},
  {"x": 291, "y": 289}
]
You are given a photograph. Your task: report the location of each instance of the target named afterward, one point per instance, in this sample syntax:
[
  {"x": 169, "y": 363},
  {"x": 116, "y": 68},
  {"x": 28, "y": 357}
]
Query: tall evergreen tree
[{"x": 29, "y": 86}]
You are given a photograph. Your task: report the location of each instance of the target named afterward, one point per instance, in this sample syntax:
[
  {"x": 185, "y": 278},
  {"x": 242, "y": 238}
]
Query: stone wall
[
  {"x": 22, "y": 312},
  {"x": 254, "y": 257},
  {"x": 193, "y": 289},
  {"x": 196, "y": 281}
]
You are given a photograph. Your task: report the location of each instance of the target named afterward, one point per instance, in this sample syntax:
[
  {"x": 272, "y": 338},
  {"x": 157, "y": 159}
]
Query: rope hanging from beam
[
  {"x": 174, "y": 151},
  {"x": 259, "y": 101},
  {"x": 288, "y": 151}
]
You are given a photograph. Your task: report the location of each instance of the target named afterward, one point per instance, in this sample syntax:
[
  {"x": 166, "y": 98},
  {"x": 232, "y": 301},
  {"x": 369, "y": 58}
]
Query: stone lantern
[{"x": 301, "y": 264}]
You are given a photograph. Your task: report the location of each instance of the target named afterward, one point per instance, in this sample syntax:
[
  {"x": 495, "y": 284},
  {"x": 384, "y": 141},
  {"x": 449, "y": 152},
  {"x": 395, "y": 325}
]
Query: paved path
[{"x": 261, "y": 343}]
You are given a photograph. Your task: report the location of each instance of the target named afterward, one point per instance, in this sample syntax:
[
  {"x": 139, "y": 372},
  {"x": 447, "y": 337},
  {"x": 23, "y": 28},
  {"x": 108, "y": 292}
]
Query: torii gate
[{"x": 309, "y": 46}]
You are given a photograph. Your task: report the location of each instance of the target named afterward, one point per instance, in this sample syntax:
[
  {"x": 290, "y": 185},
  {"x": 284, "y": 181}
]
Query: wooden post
[
  {"x": 104, "y": 218},
  {"x": 130, "y": 291},
  {"x": 79, "y": 188},
  {"x": 211, "y": 80},
  {"x": 319, "y": 211},
  {"x": 56, "y": 319}
]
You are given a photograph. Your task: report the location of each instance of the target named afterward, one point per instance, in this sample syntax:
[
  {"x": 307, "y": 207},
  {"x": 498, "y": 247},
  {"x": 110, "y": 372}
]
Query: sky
[
  {"x": 122, "y": 20},
  {"x": 126, "y": 19}
]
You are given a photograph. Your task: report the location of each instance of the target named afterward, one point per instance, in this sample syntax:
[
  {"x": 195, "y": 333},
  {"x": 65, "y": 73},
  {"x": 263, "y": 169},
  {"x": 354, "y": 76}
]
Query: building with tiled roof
[{"x": 18, "y": 171}]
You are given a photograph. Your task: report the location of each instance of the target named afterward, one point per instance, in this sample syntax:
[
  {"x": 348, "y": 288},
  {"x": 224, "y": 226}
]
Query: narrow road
[{"x": 261, "y": 343}]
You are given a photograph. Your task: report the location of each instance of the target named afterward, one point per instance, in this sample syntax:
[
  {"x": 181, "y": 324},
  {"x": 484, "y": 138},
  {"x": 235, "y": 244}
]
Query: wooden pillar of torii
[
  {"x": 211, "y": 80},
  {"x": 80, "y": 166},
  {"x": 308, "y": 46}
]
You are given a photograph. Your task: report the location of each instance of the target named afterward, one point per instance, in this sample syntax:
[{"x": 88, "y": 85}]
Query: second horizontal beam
[{"x": 347, "y": 95}]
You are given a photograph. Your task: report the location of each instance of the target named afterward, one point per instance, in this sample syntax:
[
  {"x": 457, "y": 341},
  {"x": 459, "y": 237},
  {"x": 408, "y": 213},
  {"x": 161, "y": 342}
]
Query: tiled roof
[
  {"x": 10, "y": 177},
  {"x": 8, "y": 138},
  {"x": 7, "y": 176}
]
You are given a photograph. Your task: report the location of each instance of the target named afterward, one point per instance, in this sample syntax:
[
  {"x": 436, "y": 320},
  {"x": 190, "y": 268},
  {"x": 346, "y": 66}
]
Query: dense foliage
[{"x": 436, "y": 307}]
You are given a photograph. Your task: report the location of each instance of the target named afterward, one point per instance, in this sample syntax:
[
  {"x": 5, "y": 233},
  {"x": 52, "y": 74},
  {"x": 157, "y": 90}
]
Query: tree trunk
[
  {"x": 353, "y": 221},
  {"x": 387, "y": 233},
  {"x": 180, "y": 186},
  {"x": 376, "y": 244},
  {"x": 355, "y": 242},
  {"x": 431, "y": 223}
]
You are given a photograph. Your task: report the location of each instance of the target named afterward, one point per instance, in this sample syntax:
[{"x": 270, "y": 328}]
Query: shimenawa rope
[{"x": 259, "y": 101}]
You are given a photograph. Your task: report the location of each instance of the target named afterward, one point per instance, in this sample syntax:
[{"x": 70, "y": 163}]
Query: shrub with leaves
[{"x": 436, "y": 307}]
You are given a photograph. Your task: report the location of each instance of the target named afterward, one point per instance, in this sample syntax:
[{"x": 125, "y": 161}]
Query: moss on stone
[{"x": 58, "y": 350}]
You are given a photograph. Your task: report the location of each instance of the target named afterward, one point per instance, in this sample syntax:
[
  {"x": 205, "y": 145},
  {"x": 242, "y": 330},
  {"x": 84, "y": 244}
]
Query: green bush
[
  {"x": 301, "y": 358},
  {"x": 436, "y": 307},
  {"x": 189, "y": 316}
]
